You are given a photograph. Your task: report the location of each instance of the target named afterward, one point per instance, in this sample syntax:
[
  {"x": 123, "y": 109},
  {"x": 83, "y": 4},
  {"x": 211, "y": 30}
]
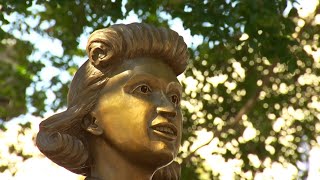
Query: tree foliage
[{"x": 253, "y": 72}]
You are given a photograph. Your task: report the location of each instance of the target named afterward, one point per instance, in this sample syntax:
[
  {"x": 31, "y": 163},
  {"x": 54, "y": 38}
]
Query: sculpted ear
[{"x": 89, "y": 124}]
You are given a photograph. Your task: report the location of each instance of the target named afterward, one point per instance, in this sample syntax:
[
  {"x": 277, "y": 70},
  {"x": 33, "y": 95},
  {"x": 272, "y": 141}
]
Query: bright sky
[{"x": 41, "y": 168}]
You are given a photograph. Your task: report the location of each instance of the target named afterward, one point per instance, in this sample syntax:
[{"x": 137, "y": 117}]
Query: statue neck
[{"x": 110, "y": 164}]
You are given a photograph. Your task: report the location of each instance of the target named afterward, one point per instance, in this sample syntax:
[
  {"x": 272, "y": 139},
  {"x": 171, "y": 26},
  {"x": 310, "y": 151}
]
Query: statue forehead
[
  {"x": 147, "y": 65},
  {"x": 152, "y": 71}
]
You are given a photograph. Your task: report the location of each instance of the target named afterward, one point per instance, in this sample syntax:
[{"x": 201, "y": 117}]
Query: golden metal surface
[
  {"x": 123, "y": 119},
  {"x": 139, "y": 121}
]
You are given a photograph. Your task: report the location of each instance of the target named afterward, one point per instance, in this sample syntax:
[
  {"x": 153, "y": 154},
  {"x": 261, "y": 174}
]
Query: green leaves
[
  {"x": 252, "y": 72},
  {"x": 15, "y": 77}
]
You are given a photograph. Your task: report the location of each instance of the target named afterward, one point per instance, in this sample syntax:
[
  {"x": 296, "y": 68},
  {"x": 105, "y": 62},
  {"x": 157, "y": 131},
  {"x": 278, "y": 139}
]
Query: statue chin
[
  {"x": 156, "y": 161},
  {"x": 161, "y": 158},
  {"x": 153, "y": 157}
]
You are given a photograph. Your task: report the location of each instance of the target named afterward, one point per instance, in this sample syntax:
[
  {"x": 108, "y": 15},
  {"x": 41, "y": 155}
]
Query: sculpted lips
[{"x": 165, "y": 130}]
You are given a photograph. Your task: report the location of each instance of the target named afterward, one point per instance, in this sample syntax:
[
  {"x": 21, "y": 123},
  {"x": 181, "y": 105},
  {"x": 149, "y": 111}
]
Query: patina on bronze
[{"x": 123, "y": 119}]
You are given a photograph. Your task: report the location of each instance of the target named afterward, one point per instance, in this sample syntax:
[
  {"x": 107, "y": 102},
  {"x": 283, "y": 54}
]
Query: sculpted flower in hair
[{"x": 123, "y": 117}]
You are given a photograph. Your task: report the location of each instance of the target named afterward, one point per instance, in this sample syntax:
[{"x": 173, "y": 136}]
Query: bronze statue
[{"x": 123, "y": 119}]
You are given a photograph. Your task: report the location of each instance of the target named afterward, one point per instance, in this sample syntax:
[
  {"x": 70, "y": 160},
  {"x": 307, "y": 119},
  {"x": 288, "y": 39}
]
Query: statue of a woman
[{"x": 123, "y": 119}]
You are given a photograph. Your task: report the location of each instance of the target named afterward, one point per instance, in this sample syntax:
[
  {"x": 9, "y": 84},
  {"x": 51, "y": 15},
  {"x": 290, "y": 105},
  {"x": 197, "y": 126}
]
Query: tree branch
[
  {"x": 238, "y": 117},
  {"x": 4, "y": 101}
]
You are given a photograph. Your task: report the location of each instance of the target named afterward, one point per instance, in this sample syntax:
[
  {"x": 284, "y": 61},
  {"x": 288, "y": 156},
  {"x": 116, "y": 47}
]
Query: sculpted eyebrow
[
  {"x": 142, "y": 78},
  {"x": 175, "y": 86}
]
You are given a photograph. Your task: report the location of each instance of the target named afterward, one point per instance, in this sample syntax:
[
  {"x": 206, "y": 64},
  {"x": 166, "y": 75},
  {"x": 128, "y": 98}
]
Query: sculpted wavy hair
[{"x": 61, "y": 137}]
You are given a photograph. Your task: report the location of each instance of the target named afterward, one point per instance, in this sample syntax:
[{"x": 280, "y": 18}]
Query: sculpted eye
[
  {"x": 143, "y": 89},
  {"x": 175, "y": 100}
]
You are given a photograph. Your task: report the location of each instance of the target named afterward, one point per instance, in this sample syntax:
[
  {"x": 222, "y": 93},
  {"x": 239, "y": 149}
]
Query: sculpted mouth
[{"x": 165, "y": 130}]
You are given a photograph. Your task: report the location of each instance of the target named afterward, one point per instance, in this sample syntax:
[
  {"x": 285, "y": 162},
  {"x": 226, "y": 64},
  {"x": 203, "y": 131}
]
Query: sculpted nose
[{"x": 167, "y": 110}]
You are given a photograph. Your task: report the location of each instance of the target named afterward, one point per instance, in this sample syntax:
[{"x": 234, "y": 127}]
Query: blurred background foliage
[{"x": 253, "y": 81}]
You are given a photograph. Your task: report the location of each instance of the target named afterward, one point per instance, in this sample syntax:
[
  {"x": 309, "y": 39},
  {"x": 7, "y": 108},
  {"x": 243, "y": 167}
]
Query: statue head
[{"x": 125, "y": 99}]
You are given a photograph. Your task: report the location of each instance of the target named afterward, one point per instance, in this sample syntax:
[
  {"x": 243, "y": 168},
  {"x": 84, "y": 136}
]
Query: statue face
[{"x": 139, "y": 112}]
